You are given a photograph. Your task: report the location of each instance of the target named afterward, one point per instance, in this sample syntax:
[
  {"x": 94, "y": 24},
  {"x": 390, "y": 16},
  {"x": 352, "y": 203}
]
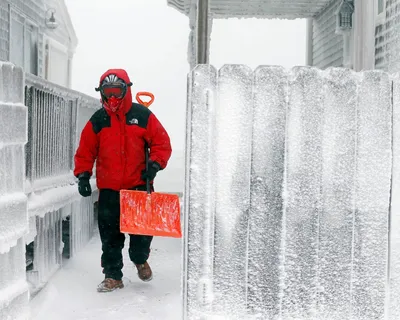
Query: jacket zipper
[{"x": 122, "y": 152}]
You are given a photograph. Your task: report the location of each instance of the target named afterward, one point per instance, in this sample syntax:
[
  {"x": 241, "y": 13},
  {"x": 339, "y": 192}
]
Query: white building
[
  {"x": 360, "y": 34},
  {"x": 31, "y": 39},
  {"x": 41, "y": 213}
]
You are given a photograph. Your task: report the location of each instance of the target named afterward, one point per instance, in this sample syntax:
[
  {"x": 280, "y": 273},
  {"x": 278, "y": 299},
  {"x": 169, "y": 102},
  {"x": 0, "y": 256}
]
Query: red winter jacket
[{"x": 117, "y": 142}]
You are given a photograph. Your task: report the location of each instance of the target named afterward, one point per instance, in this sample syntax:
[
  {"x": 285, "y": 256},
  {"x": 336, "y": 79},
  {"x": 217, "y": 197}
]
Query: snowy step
[{"x": 71, "y": 293}]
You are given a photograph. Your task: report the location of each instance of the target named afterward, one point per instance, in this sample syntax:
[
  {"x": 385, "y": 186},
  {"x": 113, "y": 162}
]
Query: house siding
[
  {"x": 387, "y": 39},
  {"x": 61, "y": 33},
  {"x": 34, "y": 11},
  {"x": 327, "y": 45}
]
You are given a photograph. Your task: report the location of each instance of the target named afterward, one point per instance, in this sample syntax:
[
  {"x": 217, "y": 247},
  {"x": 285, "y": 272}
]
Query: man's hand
[
  {"x": 84, "y": 187},
  {"x": 151, "y": 173}
]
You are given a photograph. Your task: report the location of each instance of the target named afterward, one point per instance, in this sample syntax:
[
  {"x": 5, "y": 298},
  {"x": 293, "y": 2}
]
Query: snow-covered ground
[{"x": 71, "y": 294}]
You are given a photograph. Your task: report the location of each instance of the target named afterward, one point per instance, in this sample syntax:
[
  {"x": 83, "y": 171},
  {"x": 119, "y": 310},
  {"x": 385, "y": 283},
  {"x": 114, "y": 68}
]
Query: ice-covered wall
[
  {"x": 289, "y": 182},
  {"x": 38, "y": 137},
  {"x": 14, "y": 294}
]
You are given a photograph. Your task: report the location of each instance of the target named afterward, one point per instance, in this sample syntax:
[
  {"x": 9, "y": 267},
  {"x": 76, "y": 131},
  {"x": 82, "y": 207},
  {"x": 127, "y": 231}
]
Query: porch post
[
  {"x": 310, "y": 42},
  {"x": 202, "y": 32},
  {"x": 200, "y": 22},
  {"x": 364, "y": 35}
]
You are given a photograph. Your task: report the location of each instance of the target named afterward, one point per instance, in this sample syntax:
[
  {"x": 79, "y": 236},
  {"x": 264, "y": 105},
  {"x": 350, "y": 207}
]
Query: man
[{"x": 115, "y": 137}]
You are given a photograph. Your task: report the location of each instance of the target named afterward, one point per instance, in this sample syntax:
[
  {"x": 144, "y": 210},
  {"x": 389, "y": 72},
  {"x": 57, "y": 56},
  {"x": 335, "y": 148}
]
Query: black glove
[
  {"x": 84, "y": 187},
  {"x": 151, "y": 173}
]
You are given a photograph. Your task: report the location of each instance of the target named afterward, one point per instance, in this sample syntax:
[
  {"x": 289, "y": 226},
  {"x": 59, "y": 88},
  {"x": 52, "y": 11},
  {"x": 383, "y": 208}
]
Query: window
[
  {"x": 381, "y": 6},
  {"x": 23, "y": 43},
  {"x": 57, "y": 63},
  {"x": 17, "y": 41},
  {"x": 31, "y": 49}
]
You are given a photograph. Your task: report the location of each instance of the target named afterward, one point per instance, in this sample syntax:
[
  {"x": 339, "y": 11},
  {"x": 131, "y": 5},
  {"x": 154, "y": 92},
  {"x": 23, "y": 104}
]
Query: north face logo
[{"x": 133, "y": 121}]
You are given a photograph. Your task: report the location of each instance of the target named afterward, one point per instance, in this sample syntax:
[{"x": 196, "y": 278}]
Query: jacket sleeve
[
  {"x": 159, "y": 141},
  {"x": 86, "y": 153}
]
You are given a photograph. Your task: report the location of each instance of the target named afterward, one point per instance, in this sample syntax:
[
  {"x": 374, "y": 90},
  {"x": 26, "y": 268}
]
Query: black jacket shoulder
[
  {"x": 138, "y": 115},
  {"x": 100, "y": 119}
]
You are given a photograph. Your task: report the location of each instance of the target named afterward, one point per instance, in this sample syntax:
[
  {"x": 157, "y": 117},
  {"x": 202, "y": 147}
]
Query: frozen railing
[
  {"x": 53, "y": 113},
  {"x": 292, "y": 194},
  {"x": 60, "y": 221},
  {"x": 41, "y": 212}
]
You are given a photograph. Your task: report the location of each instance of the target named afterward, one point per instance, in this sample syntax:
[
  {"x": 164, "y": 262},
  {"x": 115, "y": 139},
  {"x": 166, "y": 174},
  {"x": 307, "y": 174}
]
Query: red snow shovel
[{"x": 150, "y": 213}]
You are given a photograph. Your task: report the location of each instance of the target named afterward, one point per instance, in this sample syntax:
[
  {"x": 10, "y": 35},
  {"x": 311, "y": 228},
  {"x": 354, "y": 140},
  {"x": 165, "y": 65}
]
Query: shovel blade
[{"x": 155, "y": 214}]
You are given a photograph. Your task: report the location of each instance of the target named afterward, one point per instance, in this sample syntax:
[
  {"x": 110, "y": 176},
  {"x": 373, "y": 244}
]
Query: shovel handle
[
  {"x": 147, "y": 94},
  {"x": 147, "y": 156},
  {"x": 146, "y": 146}
]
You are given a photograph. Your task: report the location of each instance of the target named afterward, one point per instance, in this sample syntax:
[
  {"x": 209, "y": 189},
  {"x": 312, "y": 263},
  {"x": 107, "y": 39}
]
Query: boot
[
  {"x": 108, "y": 285},
  {"x": 144, "y": 272}
]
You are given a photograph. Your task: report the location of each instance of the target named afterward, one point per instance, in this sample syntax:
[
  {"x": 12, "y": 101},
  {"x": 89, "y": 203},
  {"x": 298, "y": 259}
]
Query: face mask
[{"x": 113, "y": 103}]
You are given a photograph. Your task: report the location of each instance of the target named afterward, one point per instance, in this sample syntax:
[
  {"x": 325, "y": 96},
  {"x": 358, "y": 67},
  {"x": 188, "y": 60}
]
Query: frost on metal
[
  {"x": 56, "y": 117},
  {"x": 288, "y": 193}
]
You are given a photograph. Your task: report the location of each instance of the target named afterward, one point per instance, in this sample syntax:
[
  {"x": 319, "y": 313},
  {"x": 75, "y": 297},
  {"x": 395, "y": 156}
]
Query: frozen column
[
  {"x": 394, "y": 262},
  {"x": 266, "y": 209},
  {"x": 199, "y": 193},
  {"x": 233, "y": 160},
  {"x": 336, "y": 216},
  {"x": 372, "y": 190},
  {"x": 303, "y": 199},
  {"x": 13, "y": 202}
]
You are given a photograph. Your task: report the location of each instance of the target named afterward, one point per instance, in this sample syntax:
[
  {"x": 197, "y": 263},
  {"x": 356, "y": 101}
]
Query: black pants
[{"x": 113, "y": 240}]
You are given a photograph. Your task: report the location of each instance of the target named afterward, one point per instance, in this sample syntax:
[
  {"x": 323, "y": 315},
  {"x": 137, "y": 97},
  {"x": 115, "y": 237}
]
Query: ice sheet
[
  {"x": 394, "y": 267},
  {"x": 12, "y": 169},
  {"x": 303, "y": 198},
  {"x": 199, "y": 193},
  {"x": 266, "y": 210},
  {"x": 13, "y": 286},
  {"x": 234, "y": 117},
  {"x": 13, "y": 124},
  {"x": 336, "y": 218},
  {"x": 13, "y": 219},
  {"x": 373, "y": 175}
]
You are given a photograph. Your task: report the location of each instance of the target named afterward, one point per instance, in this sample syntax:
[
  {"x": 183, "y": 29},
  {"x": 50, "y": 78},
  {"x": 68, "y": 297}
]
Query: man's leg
[
  {"x": 112, "y": 239},
  {"x": 139, "y": 251},
  {"x": 139, "y": 248}
]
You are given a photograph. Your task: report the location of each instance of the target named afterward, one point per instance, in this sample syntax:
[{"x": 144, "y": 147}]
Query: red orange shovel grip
[{"x": 147, "y": 94}]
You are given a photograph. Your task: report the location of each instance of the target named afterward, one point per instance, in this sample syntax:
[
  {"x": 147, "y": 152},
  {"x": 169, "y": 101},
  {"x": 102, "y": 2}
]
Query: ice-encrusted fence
[
  {"x": 292, "y": 194},
  {"x": 59, "y": 218},
  {"x": 40, "y": 123},
  {"x": 54, "y": 119}
]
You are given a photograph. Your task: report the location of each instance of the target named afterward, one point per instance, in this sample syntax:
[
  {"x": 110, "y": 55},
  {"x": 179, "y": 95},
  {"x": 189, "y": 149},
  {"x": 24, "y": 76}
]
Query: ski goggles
[{"x": 113, "y": 89}]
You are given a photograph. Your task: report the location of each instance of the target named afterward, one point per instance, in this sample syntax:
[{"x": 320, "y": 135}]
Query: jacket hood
[{"x": 122, "y": 74}]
